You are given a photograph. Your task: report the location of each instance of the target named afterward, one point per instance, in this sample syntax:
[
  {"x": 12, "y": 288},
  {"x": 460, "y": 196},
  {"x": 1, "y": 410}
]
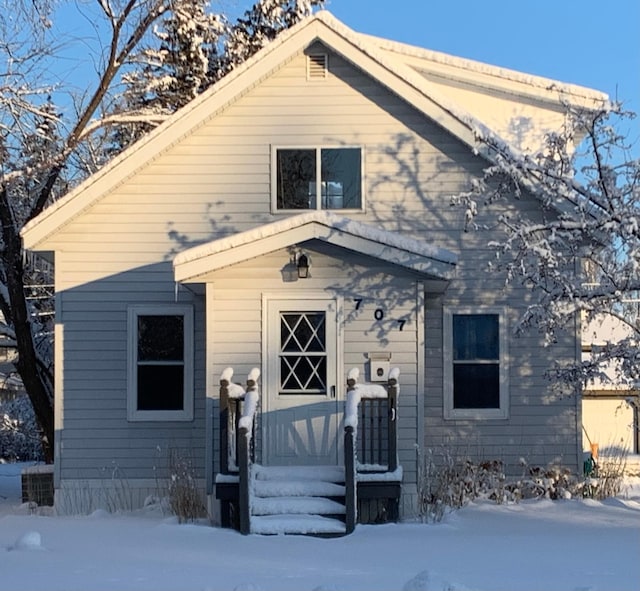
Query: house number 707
[{"x": 379, "y": 313}]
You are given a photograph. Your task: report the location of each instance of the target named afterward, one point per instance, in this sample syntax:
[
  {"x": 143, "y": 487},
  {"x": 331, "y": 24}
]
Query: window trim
[
  {"x": 318, "y": 149},
  {"x": 502, "y": 412},
  {"x": 133, "y": 312}
]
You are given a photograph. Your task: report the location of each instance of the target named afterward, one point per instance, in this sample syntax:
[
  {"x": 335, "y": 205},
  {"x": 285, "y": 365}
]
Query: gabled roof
[
  {"x": 462, "y": 70},
  {"x": 418, "y": 256},
  {"x": 362, "y": 51}
]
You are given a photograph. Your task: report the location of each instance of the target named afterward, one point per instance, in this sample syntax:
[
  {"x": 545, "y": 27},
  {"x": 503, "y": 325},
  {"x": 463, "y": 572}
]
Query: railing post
[
  {"x": 392, "y": 393},
  {"x": 244, "y": 450},
  {"x": 350, "y": 452},
  {"x": 244, "y": 508},
  {"x": 224, "y": 425},
  {"x": 350, "y": 479}
]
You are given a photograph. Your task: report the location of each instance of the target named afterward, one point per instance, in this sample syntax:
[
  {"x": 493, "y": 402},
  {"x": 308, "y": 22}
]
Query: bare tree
[
  {"x": 53, "y": 135},
  {"x": 38, "y": 145}
]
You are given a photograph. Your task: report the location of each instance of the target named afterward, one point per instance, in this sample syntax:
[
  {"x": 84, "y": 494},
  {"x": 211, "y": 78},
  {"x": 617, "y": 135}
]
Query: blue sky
[
  {"x": 587, "y": 42},
  {"x": 592, "y": 43}
]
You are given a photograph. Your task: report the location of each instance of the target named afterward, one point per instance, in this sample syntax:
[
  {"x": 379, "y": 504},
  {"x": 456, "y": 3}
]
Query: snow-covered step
[
  {"x": 296, "y": 506},
  {"x": 325, "y": 473},
  {"x": 296, "y": 524},
  {"x": 304, "y": 500},
  {"x": 297, "y": 488}
]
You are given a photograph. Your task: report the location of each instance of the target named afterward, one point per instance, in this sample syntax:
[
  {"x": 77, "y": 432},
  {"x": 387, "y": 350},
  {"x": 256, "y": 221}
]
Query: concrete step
[{"x": 296, "y": 506}]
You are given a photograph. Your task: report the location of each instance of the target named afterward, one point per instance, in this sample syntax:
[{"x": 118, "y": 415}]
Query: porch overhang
[{"x": 418, "y": 256}]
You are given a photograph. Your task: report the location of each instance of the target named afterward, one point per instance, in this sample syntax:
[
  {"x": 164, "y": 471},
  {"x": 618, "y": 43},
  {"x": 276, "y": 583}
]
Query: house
[
  {"x": 610, "y": 406},
  {"x": 294, "y": 221}
]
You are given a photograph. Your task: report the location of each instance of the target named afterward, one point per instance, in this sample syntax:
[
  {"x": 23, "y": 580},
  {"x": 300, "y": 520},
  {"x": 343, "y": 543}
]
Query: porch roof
[{"x": 416, "y": 255}]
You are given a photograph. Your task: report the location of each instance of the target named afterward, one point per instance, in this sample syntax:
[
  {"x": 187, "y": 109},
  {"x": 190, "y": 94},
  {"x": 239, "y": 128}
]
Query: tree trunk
[{"x": 35, "y": 378}]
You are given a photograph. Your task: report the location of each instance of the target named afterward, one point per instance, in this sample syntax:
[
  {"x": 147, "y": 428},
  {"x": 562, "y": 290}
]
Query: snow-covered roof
[
  {"x": 475, "y": 72},
  {"x": 384, "y": 61},
  {"x": 415, "y": 255}
]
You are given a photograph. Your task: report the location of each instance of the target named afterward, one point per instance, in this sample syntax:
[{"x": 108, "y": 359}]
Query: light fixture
[{"x": 303, "y": 266}]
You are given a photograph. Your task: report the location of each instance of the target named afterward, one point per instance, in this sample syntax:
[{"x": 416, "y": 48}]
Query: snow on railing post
[
  {"x": 350, "y": 426},
  {"x": 245, "y": 444},
  {"x": 225, "y": 434}
]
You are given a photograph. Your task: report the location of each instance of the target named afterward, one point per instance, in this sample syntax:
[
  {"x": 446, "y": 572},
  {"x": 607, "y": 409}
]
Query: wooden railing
[
  {"x": 238, "y": 408},
  {"x": 232, "y": 402},
  {"x": 370, "y": 434}
]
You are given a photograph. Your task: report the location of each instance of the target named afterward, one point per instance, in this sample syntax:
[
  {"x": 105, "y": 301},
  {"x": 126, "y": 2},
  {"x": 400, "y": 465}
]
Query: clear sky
[{"x": 593, "y": 43}]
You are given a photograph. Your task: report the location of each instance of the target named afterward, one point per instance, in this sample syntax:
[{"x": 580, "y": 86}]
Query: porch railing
[
  {"x": 370, "y": 433},
  {"x": 232, "y": 407},
  {"x": 238, "y": 413}
]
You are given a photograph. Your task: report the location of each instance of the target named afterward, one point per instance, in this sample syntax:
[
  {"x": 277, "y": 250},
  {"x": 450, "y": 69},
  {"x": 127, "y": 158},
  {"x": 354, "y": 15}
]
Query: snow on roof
[
  {"x": 327, "y": 220},
  {"x": 465, "y": 66}
]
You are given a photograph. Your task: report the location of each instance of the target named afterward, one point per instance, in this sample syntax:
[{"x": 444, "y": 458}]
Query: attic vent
[{"x": 317, "y": 64}]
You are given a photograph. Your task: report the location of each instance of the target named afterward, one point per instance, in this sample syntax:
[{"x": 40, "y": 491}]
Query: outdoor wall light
[{"x": 303, "y": 266}]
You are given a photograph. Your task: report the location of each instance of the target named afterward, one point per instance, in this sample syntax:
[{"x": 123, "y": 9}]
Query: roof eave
[{"x": 193, "y": 265}]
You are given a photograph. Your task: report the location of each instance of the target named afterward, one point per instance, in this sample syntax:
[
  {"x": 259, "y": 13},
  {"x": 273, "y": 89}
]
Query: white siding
[{"x": 235, "y": 314}]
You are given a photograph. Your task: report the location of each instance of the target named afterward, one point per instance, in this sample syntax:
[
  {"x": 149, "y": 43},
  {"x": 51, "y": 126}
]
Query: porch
[{"x": 311, "y": 500}]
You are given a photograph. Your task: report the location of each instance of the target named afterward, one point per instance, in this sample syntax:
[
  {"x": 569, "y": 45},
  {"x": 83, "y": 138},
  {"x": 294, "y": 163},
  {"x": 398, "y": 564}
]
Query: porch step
[
  {"x": 297, "y": 488},
  {"x": 303, "y": 500},
  {"x": 323, "y": 473},
  {"x": 296, "y": 506},
  {"x": 296, "y": 524}
]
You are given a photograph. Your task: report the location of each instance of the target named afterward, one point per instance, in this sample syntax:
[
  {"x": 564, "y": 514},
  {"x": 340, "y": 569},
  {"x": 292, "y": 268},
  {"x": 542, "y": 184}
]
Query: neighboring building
[
  {"x": 180, "y": 258},
  {"x": 610, "y": 407}
]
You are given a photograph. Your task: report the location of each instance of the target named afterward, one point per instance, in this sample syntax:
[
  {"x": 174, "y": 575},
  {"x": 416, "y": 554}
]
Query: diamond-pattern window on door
[{"x": 303, "y": 353}]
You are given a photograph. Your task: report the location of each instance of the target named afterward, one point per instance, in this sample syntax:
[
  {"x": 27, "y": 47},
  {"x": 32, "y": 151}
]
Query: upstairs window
[
  {"x": 160, "y": 386},
  {"x": 475, "y": 364},
  {"x": 317, "y": 178}
]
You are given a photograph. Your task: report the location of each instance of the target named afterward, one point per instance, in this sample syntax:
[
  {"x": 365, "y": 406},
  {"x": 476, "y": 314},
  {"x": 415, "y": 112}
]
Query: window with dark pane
[
  {"x": 336, "y": 185},
  {"x": 476, "y": 361},
  {"x": 296, "y": 173},
  {"x": 303, "y": 360},
  {"x": 341, "y": 180},
  {"x": 160, "y": 361}
]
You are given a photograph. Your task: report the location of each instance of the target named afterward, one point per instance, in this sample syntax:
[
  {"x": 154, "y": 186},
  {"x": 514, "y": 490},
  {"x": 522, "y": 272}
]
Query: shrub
[
  {"x": 19, "y": 433},
  {"x": 446, "y": 482},
  {"x": 184, "y": 495},
  {"x": 451, "y": 483}
]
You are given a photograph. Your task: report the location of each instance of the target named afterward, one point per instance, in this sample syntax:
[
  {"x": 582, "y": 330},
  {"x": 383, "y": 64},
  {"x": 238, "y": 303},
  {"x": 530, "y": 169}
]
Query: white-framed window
[
  {"x": 160, "y": 353},
  {"x": 305, "y": 178},
  {"x": 475, "y": 363}
]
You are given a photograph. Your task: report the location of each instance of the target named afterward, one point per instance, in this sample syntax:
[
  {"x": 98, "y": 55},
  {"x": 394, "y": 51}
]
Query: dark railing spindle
[
  {"x": 365, "y": 438},
  {"x": 350, "y": 479},
  {"x": 393, "y": 390},
  {"x": 224, "y": 426}
]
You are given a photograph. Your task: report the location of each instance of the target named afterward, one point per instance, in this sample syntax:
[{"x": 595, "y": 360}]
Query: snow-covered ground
[{"x": 571, "y": 545}]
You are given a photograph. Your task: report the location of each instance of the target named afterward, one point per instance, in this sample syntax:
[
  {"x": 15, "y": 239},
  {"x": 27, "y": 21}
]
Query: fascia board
[
  {"x": 388, "y": 253},
  {"x": 487, "y": 75},
  {"x": 194, "y": 269},
  {"x": 191, "y": 270}
]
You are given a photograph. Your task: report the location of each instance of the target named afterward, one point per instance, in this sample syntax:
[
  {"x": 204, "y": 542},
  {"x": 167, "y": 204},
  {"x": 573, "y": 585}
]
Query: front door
[{"x": 301, "y": 394}]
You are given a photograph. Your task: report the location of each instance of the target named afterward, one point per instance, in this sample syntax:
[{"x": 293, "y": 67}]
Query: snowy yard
[{"x": 569, "y": 545}]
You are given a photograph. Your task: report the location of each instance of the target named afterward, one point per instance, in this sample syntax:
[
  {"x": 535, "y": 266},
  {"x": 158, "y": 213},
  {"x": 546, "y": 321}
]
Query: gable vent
[{"x": 317, "y": 65}]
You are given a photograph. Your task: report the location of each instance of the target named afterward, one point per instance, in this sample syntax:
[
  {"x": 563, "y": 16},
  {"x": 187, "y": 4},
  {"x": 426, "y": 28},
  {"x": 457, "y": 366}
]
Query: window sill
[
  {"x": 159, "y": 415},
  {"x": 476, "y": 414}
]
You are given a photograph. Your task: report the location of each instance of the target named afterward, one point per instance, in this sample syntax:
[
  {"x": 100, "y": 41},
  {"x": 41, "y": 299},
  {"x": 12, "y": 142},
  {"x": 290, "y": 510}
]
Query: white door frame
[{"x": 269, "y": 362}]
